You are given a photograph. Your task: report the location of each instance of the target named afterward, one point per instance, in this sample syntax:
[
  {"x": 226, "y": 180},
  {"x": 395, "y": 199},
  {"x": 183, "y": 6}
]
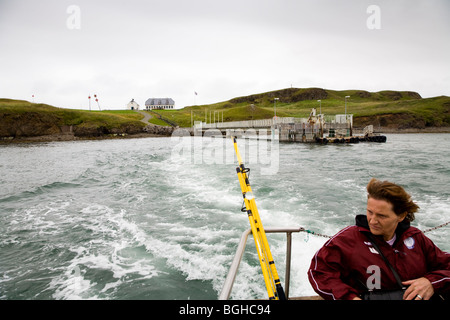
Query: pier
[{"x": 317, "y": 128}]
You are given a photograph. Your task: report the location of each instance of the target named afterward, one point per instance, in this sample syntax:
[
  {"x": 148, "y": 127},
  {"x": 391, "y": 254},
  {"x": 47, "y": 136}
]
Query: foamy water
[{"x": 133, "y": 219}]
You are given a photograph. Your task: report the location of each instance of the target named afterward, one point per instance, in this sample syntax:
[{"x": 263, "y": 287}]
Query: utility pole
[
  {"x": 275, "y": 106},
  {"x": 346, "y": 107}
]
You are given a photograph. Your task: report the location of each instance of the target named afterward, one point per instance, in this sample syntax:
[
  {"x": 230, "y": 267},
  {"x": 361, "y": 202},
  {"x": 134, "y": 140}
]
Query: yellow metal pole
[
  {"x": 271, "y": 278},
  {"x": 257, "y": 237}
]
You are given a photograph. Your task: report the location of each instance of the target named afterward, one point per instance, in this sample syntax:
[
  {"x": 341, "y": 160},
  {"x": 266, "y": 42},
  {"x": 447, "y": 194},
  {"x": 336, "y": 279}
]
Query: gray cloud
[{"x": 138, "y": 49}]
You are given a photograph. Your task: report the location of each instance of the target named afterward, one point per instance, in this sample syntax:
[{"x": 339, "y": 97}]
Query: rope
[
  {"x": 316, "y": 234},
  {"x": 437, "y": 227},
  {"x": 326, "y": 236}
]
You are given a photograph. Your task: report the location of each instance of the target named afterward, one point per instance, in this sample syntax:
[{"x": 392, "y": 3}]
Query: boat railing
[{"x": 229, "y": 281}]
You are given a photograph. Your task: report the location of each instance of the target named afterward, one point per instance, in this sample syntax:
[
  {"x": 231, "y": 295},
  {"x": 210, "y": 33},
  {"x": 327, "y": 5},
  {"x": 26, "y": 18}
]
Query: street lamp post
[
  {"x": 346, "y": 106},
  {"x": 275, "y": 106}
]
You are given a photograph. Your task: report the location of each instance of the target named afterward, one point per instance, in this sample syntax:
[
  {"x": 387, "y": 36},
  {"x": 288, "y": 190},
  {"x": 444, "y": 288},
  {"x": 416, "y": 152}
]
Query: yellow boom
[{"x": 271, "y": 278}]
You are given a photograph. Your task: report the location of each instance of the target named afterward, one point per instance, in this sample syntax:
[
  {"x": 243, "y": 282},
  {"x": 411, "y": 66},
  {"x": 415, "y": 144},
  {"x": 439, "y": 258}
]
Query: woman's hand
[{"x": 419, "y": 289}]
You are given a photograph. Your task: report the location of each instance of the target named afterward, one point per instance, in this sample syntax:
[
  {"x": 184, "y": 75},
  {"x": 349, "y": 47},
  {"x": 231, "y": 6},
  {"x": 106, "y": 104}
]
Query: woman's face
[{"x": 382, "y": 219}]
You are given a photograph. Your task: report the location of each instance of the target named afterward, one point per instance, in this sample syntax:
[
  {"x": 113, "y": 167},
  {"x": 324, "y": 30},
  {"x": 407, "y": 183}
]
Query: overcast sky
[{"x": 62, "y": 51}]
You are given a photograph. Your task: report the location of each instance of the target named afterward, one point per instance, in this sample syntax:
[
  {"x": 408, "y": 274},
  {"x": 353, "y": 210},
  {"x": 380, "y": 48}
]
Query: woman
[{"x": 350, "y": 264}]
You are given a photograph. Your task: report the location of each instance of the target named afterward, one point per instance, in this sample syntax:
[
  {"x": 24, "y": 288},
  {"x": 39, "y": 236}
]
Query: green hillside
[
  {"x": 402, "y": 109},
  {"x": 22, "y": 118},
  {"x": 390, "y": 109}
]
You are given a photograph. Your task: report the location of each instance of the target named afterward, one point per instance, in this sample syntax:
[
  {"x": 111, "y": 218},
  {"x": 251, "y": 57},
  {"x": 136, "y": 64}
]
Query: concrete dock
[{"x": 314, "y": 129}]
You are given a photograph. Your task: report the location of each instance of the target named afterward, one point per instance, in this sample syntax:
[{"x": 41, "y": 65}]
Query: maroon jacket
[{"x": 339, "y": 270}]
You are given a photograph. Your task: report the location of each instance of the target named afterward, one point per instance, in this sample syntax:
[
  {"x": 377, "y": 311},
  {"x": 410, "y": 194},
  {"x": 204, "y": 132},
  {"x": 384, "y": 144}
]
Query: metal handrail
[{"x": 229, "y": 281}]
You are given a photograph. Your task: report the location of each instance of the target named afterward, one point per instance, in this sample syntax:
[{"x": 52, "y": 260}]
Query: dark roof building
[{"x": 159, "y": 103}]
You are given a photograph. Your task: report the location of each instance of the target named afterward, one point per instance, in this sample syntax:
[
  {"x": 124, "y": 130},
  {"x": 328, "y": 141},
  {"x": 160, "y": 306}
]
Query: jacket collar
[{"x": 361, "y": 221}]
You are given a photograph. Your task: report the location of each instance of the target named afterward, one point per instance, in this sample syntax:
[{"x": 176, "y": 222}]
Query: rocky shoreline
[
  {"x": 67, "y": 133},
  {"x": 67, "y": 137},
  {"x": 413, "y": 130},
  {"x": 159, "y": 131}
]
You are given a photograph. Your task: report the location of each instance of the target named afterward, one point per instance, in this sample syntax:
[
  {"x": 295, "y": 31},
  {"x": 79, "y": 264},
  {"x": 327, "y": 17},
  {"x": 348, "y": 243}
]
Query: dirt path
[{"x": 147, "y": 116}]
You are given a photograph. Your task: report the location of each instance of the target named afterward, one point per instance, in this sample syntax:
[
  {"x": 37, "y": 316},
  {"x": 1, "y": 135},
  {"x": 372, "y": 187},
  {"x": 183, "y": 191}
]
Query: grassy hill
[
  {"x": 389, "y": 109},
  {"x": 20, "y": 118},
  {"x": 397, "y": 109}
]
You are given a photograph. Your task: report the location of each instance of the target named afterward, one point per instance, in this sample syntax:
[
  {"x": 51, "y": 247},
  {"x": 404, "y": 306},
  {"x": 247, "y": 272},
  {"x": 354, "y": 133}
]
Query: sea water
[{"x": 151, "y": 219}]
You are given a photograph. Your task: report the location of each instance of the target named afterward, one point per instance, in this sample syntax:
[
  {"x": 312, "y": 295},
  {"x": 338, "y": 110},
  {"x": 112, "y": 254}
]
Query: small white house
[{"x": 132, "y": 105}]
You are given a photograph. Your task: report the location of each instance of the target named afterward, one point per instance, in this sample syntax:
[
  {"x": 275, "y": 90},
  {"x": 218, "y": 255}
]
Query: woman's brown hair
[{"x": 394, "y": 194}]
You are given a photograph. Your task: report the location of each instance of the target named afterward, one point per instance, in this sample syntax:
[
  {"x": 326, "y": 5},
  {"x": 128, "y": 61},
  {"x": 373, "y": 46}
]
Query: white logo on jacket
[
  {"x": 409, "y": 243},
  {"x": 371, "y": 249}
]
